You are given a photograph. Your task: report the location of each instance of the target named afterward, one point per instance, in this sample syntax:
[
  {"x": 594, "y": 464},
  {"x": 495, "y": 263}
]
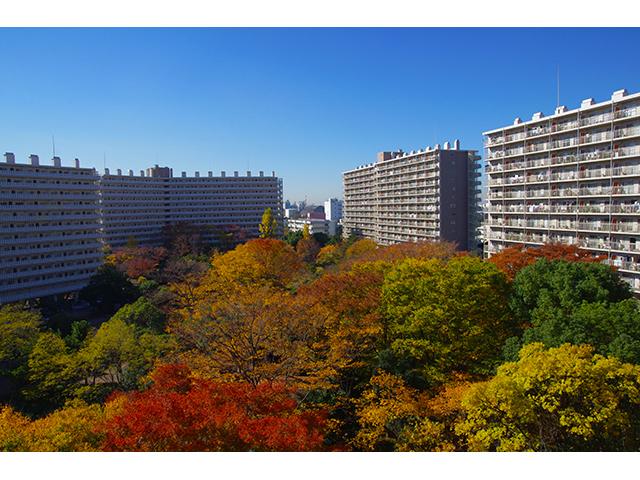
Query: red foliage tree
[
  {"x": 183, "y": 413},
  {"x": 137, "y": 261},
  {"x": 513, "y": 259}
]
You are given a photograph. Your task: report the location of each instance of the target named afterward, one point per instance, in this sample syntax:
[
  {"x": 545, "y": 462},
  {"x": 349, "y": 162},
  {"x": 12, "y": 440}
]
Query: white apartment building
[
  {"x": 55, "y": 221},
  {"x": 138, "y": 206},
  {"x": 50, "y": 228},
  {"x": 316, "y": 225},
  {"x": 429, "y": 194},
  {"x": 571, "y": 177},
  {"x": 333, "y": 209}
]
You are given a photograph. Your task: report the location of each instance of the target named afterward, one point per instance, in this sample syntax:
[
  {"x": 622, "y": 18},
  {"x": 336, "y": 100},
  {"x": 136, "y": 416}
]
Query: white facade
[
  {"x": 55, "y": 221},
  {"x": 50, "y": 228},
  {"x": 429, "y": 194},
  {"x": 316, "y": 225},
  {"x": 572, "y": 177},
  {"x": 139, "y": 206},
  {"x": 333, "y": 209}
]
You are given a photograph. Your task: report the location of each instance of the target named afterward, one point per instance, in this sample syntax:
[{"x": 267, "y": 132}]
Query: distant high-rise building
[
  {"x": 572, "y": 177},
  {"x": 333, "y": 209},
  {"x": 429, "y": 194}
]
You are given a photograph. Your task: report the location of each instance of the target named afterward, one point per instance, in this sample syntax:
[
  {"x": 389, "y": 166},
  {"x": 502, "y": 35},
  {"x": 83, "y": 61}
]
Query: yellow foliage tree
[{"x": 561, "y": 399}]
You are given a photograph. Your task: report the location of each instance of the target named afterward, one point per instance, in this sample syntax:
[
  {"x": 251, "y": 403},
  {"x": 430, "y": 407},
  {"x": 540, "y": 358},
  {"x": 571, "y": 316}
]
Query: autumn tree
[
  {"x": 513, "y": 259},
  {"x": 262, "y": 261},
  {"x": 137, "y": 262},
  {"x": 561, "y": 399},
  {"x": 308, "y": 249},
  {"x": 254, "y": 334},
  {"x": 328, "y": 255},
  {"x": 445, "y": 317},
  {"x": 184, "y": 238},
  {"x": 269, "y": 224},
  {"x": 181, "y": 412},
  {"x": 74, "y": 428}
]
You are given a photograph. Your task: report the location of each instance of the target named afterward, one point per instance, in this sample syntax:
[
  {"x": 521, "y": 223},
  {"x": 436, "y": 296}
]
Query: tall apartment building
[
  {"x": 55, "y": 221},
  {"x": 138, "y": 206},
  {"x": 429, "y": 194},
  {"x": 571, "y": 177},
  {"x": 50, "y": 228}
]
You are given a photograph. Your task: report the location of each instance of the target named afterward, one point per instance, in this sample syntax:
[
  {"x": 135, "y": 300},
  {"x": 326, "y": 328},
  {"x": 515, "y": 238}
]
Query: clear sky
[{"x": 308, "y": 103}]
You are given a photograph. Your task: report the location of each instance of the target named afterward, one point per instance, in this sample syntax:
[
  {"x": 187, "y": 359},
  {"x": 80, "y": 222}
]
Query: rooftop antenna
[
  {"x": 104, "y": 160},
  {"x": 53, "y": 144},
  {"x": 558, "y": 87}
]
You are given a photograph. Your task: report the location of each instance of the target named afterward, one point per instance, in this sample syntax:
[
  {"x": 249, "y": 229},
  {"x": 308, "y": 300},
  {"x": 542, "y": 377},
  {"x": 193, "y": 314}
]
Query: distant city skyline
[{"x": 307, "y": 103}]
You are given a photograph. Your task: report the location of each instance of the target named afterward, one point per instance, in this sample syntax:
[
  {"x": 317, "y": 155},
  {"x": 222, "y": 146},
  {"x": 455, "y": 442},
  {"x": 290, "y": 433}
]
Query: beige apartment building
[
  {"x": 55, "y": 221},
  {"x": 429, "y": 194},
  {"x": 50, "y": 230},
  {"x": 571, "y": 177},
  {"x": 138, "y": 206}
]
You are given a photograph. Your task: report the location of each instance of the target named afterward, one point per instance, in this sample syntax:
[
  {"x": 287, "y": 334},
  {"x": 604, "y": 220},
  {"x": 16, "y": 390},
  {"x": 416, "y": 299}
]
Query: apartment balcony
[
  {"x": 564, "y": 143},
  {"x": 48, "y": 228},
  {"x": 55, "y": 175},
  {"x": 626, "y": 132},
  {"x": 627, "y": 112},
  {"x": 49, "y": 249},
  {"x": 561, "y": 127},
  {"x": 626, "y": 171},
  {"x": 595, "y": 119},
  {"x": 537, "y": 131},
  {"x": 537, "y": 147},
  {"x": 54, "y": 269},
  {"x": 588, "y": 138}
]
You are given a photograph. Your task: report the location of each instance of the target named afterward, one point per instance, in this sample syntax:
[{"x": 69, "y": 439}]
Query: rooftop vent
[
  {"x": 106, "y": 171},
  {"x": 619, "y": 94},
  {"x": 235, "y": 173},
  {"x": 35, "y": 160},
  {"x": 561, "y": 109},
  {"x": 76, "y": 162},
  {"x": 184, "y": 174},
  {"x": 130, "y": 173},
  {"x": 261, "y": 173},
  {"x": 56, "y": 161},
  {"x": 587, "y": 102},
  {"x": 223, "y": 174},
  {"x": 210, "y": 173},
  {"x": 10, "y": 157},
  {"x": 197, "y": 174},
  {"x": 446, "y": 145},
  {"x": 119, "y": 171},
  {"x": 456, "y": 144},
  {"x": 248, "y": 173},
  {"x": 142, "y": 173},
  {"x": 437, "y": 146},
  {"x": 537, "y": 116},
  {"x": 517, "y": 121}
]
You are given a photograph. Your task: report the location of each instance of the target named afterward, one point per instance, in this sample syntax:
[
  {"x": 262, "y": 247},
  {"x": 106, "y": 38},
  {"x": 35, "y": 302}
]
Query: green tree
[
  {"x": 118, "y": 355},
  {"x": 19, "y": 329},
  {"x": 109, "y": 289},
  {"x": 142, "y": 313},
  {"x": 442, "y": 317},
  {"x": 293, "y": 237},
  {"x": 573, "y": 302},
  {"x": 561, "y": 399},
  {"x": 53, "y": 372},
  {"x": 268, "y": 225}
]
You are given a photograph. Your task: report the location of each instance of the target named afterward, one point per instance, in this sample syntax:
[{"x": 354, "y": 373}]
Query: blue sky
[{"x": 308, "y": 103}]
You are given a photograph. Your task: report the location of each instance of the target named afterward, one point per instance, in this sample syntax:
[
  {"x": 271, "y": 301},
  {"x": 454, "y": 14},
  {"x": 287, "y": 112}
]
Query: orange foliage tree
[
  {"x": 513, "y": 259},
  {"x": 137, "y": 261},
  {"x": 183, "y": 413},
  {"x": 361, "y": 252}
]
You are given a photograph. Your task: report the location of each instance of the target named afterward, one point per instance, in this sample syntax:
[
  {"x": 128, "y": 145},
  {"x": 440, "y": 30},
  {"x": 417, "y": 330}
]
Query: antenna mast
[
  {"x": 53, "y": 144},
  {"x": 558, "y": 87}
]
